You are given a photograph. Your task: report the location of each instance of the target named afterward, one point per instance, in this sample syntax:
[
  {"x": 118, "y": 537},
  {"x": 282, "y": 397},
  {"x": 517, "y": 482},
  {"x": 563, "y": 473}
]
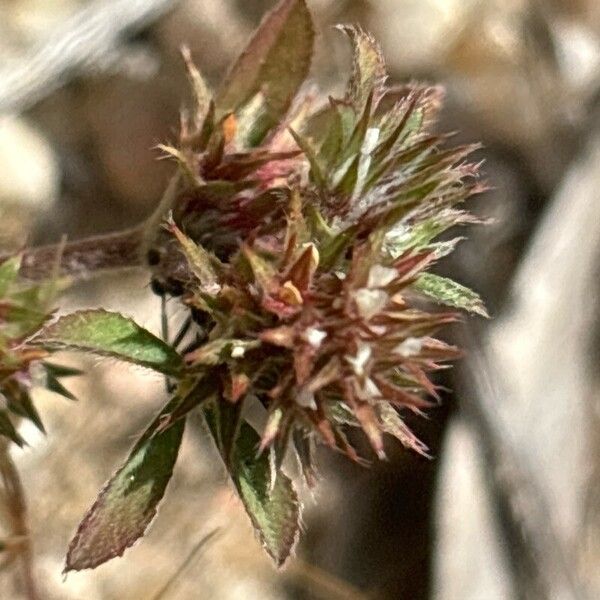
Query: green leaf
[
  {"x": 450, "y": 293},
  {"x": 349, "y": 178},
  {"x": 276, "y": 62},
  {"x": 273, "y": 507},
  {"x": 113, "y": 335},
  {"x": 357, "y": 138},
  {"x": 253, "y": 121},
  {"x": 224, "y": 421},
  {"x": 329, "y": 152},
  {"x": 128, "y": 502},
  {"x": 304, "y": 447}
]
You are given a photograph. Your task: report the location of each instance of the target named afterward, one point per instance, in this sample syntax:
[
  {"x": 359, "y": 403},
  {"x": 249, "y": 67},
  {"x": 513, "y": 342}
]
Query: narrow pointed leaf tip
[
  {"x": 112, "y": 335},
  {"x": 368, "y": 69},
  {"x": 275, "y": 62},
  {"x": 128, "y": 502}
]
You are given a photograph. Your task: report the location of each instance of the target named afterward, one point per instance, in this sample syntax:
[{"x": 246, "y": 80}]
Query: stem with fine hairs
[{"x": 80, "y": 259}]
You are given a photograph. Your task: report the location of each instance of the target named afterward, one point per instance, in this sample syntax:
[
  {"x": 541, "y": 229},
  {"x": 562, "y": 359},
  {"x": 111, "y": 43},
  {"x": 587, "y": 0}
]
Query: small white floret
[
  {"x": 370, "y": 302},
  {"x": 238, "y": 352},
  {"x": 359, "y": 362},
  {"x": 371, "y": 139},
  {"x": 380, "y": 276},
  {"x": 315, "y": 336},
  {"x": 409, "y": 347}
]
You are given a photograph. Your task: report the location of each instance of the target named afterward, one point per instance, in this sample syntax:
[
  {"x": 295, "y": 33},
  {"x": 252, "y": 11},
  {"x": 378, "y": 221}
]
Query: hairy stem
[
  {"x": 16, "y": 508},
  {"x": 81, "y": 258}
]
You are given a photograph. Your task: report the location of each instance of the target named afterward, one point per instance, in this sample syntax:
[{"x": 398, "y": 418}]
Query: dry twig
[{"x": 84, "y": 40}]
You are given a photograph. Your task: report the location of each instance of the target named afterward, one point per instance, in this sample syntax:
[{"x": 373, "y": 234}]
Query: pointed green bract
[
  {"x": 113, "y": 335},
  {"x": 128, "y": 502},
  {"x": 202, "y": 95},
  {"x": 316, "y": 170},
  {"x": 7, "y": 429},
  {"x": 53, "y": 373},
  {"x": 201, "y": 262},
  {"x": 368, "y": 70},
  {"x": 20, "y": 403},
  {"x": 448, "y": 292},
  {"x": 273, "y": 507},
  {"x": 275, "y": 63}
]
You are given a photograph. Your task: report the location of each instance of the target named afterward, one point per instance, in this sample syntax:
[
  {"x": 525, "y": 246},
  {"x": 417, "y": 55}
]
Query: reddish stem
[{"x": 82, "y": 258}]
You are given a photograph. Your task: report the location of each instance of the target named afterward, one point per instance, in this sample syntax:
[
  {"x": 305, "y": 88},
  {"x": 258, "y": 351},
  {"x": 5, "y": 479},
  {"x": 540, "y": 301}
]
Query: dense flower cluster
[
  {"x": 299, "y": 235},
  {"x": 308, "y": 247}
]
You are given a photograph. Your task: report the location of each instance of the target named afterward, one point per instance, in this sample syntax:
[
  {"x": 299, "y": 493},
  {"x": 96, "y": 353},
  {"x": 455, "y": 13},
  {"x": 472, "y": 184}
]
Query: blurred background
[{"x": 510, "y": 505}]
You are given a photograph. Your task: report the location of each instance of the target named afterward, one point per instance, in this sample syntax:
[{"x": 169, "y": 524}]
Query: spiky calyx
[{"x": 312, "y": 266}]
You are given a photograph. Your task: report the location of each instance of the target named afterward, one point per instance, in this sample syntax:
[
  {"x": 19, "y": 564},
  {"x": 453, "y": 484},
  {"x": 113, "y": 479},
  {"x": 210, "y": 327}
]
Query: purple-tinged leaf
[
  {"x": 393, "y": 424},
  {"x": 275, "y": 62},
  {"x": 128, "y": 502},
  {"x": 273, "y": 507}
]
